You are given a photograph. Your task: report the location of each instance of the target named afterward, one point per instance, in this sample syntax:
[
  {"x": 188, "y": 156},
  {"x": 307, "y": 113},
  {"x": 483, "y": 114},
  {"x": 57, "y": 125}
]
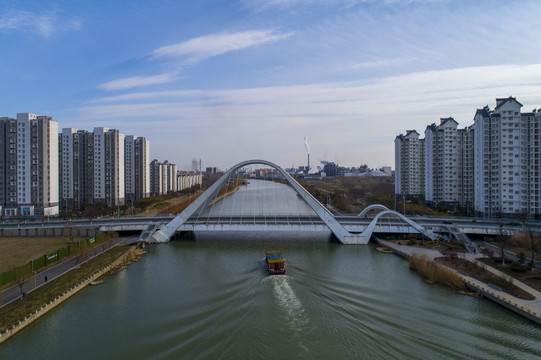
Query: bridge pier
[{"x": 356, "y": 239}]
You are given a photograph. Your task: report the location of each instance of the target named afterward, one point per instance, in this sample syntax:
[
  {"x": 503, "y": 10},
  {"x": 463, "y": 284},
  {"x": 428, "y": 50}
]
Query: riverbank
[
  {"x": 17, "y": 315},
  {"x": 530, "y": 309}
]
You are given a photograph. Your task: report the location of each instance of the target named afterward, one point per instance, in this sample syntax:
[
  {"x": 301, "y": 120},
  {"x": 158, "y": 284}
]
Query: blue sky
[{"x": 227, "y": 81}]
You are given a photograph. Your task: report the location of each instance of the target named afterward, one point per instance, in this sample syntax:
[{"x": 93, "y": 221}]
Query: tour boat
[{"x": 276, "y": 265}]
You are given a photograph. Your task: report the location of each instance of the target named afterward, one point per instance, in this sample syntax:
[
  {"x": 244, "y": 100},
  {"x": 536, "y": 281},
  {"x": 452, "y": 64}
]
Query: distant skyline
[{"x": 227, "y": 81}]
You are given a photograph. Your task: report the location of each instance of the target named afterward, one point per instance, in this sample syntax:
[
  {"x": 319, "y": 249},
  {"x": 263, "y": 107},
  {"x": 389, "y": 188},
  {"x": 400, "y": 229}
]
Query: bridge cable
[
  {"x": 262, "y": 201},
  {"x": 298, "y": 212},
  {"x": 212, "y": 206},
  {"x": 242, "y": 198},
  {"x": 277, "y": 188},
  {"x": 289, "y": 213},
  {"x": 235, "y": 183}
]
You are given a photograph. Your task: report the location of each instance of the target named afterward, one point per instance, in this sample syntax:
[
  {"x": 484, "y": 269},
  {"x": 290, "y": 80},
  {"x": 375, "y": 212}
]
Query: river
[{"x": 214, "y": 300}]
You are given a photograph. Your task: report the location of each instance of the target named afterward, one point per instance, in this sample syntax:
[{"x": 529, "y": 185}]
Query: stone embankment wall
[
  {"x": 58, "y": 300},
  {"x": 505, "y": 301}
]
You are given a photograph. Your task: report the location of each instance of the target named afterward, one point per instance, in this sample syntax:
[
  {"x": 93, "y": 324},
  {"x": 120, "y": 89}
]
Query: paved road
[{"x": 14, "y": 292}]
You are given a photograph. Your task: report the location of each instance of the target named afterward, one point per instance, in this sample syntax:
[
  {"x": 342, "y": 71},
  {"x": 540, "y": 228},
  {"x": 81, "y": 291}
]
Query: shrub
[
  {"x": 434, "y": 272},
  {"x": 521, "y": 258}
]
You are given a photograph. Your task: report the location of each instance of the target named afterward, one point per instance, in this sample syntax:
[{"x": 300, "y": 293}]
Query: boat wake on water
[{"x": 290, "y": 303}]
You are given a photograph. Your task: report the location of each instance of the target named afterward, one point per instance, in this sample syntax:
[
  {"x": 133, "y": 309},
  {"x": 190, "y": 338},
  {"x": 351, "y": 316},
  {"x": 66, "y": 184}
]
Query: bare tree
[
  {"x": 70, "y": 230},
  {"x": 535, "y": 246},
  {"x": 20, "y": 279},
  {"x": 109, "y": 239},
  {"x": 503, "y": 239},
  {"x": 83, "y": 252},
  {"x": 533, "y": 240}
]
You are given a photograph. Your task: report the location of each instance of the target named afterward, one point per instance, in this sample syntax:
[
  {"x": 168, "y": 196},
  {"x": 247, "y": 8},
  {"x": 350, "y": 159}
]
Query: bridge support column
[{"x": 355, "y": 239}]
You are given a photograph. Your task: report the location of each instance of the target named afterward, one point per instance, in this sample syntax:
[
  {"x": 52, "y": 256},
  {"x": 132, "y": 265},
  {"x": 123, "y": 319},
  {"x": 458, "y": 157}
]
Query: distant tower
[{"x": 308, "y": 163}]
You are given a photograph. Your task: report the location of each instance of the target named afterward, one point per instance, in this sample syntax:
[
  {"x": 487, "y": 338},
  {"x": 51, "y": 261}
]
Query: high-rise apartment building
[
  {"x": 187, "y": 179},
  {"x": 109, "y": 166},
  {"x": 76, "y": 161},
  {"x": 409, "y": 164},
  {"x": 157, "y": 176},
  {"x": 29, "y": 166},
  {"x": 465, "y": 166},
  {"x": 448, "y": 164},
  {"x": 507, "y": 160},
  {"x": 137, "y": 156},
  {"x": 102, "y": 166},
  {"x": 163, "y": 177},
  {"x": 501, "y": 162},
  {"x": 532, "y": 122},
  {"x": 441, "y": 162},
  {"x": 170, "y": 176},
  {"x": 494, "y": 164}
]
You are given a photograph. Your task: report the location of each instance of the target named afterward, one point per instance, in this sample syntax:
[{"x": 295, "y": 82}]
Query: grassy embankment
[
  {"x": 16, "y": 311},
  {"x": 176, "y": 202},
  {"x": 172, "y": 203}
]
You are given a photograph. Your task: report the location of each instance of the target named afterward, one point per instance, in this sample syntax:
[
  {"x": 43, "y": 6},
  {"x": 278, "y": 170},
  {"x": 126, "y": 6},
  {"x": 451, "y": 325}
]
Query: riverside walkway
[
  {"x": 531, "y": 309},
  {"x": 13, "y": 292}
]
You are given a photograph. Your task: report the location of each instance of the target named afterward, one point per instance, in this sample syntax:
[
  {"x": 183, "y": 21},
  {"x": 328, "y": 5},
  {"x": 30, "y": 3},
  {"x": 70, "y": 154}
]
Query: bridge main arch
[
  {"x": 344, "y": 236},
  {"x": 372, "y": 207}
]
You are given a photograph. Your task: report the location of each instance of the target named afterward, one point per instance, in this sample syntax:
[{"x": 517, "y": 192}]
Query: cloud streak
[
  {"x": 45, "y": 24},
  {"x": 195, "y": 51},
  {"x": 137, "y": 81},
  {"x": 207, "y": 46}
]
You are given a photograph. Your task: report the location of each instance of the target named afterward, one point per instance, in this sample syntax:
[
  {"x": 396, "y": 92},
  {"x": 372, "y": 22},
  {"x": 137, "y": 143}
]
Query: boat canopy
[{"x": 274, "y": 257}]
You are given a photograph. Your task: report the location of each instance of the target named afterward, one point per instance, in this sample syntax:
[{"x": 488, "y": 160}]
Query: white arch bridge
[{"x": 322, "y": 221}]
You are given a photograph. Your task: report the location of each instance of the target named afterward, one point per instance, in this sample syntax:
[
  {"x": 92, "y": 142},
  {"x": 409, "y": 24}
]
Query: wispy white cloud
[
  {"x": 196, "y": 50},
  {"x": 137, "y": 81},
  {"x": 361, "y": 119},
  {"x": 45, "y": 24},
  {"x": 150, "y": 95},
  {"x": 262, "y": 4},
  {"x": 207, "y": 46}
]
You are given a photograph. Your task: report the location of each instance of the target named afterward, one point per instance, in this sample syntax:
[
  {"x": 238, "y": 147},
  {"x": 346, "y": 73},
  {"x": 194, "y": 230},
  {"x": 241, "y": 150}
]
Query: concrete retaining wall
[
  {"x": 504, "y": 301},
  {"x": 57, "y": 231}
]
